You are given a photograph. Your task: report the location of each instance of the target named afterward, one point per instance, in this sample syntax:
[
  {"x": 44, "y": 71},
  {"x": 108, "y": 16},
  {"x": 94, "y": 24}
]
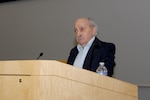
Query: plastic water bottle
[{"x": 102, "y": 69}]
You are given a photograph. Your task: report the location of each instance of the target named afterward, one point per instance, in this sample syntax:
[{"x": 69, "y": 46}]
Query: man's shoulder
[
  {"x": 103, "y": 43},
  {"x": 74, "y": 49}
]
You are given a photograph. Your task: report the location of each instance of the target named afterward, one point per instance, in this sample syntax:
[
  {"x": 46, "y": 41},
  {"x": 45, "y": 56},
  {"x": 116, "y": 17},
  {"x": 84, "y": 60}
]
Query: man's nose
[{"x": 78, "y": 33}]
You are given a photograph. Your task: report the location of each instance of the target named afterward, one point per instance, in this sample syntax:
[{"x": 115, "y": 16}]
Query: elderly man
[{"x": 90, "y": 51}]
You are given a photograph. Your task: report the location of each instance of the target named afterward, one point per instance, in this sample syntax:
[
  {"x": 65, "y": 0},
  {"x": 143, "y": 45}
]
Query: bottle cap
[{"x": 102, "y": 63}]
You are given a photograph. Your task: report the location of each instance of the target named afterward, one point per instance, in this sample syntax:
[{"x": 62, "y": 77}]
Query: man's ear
[{"x": 94, "y": 30}]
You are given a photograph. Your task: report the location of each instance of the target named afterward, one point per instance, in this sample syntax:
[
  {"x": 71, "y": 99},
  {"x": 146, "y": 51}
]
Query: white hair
[{"x": 93, "y": 24}]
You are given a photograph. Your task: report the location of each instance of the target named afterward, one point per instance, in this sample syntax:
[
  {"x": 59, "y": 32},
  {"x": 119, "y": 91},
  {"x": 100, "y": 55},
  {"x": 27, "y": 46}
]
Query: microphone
[{"x": 40, "y": 55}]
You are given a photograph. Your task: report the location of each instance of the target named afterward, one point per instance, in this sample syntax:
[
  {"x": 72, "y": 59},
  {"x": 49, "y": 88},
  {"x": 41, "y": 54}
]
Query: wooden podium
[{"x": 53, "y": 80}]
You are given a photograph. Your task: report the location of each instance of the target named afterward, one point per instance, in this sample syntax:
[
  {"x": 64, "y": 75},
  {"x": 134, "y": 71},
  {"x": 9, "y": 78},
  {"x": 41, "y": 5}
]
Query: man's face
[{"x": 83, "y": 31}]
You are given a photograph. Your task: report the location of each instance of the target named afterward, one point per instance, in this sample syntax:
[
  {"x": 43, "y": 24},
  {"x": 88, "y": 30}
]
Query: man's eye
[
  {"x": 75, "y": 30},
  {"x": 81, "y": 29}
]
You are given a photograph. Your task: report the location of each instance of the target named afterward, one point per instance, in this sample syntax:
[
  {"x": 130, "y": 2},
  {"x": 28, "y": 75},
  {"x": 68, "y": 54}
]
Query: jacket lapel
[{"x": 92, "y": 51}]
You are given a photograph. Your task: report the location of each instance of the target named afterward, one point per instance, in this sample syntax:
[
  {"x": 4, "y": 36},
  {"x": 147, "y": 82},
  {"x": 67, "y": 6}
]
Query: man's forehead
[{"x": 82, "y": 22}]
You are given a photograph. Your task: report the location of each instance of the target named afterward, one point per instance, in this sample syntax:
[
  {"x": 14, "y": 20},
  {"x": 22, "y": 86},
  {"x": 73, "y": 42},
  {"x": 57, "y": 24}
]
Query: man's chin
[{"x": 81, "y": 43}]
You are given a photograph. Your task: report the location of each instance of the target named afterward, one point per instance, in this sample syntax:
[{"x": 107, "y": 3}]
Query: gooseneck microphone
[{"x": 40, "y": 55}]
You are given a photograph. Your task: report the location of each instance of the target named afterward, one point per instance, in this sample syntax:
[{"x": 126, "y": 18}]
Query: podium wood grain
[{"x": 53, "y": 80}]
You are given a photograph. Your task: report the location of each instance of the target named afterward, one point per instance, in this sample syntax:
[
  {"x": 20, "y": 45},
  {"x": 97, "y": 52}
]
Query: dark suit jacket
[{"x": 99, "y": 52}]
